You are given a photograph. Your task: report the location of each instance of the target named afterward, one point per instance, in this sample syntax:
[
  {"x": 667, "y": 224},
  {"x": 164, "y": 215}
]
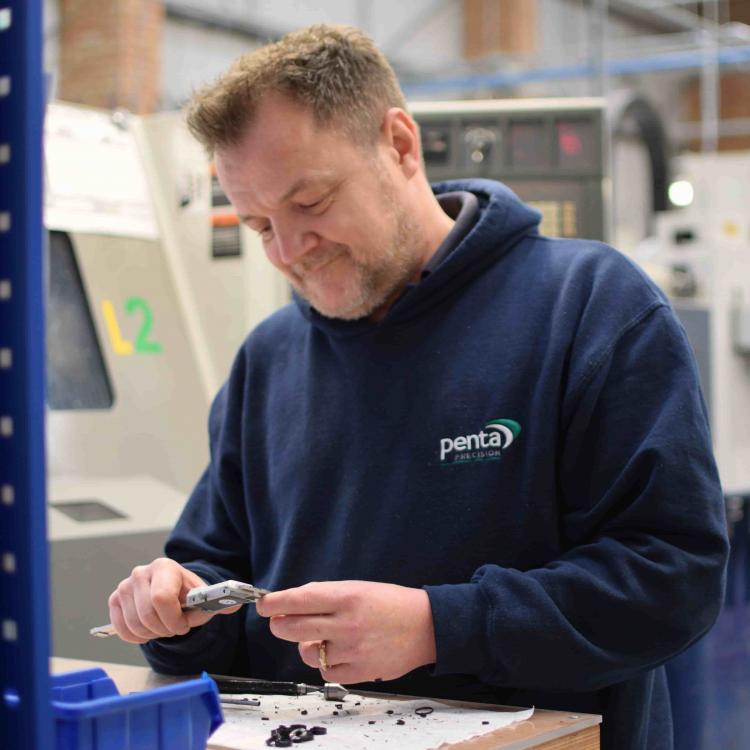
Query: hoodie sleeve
[
  {"x": 642, "y": 516},
  {"x": 211, "y": 538}
]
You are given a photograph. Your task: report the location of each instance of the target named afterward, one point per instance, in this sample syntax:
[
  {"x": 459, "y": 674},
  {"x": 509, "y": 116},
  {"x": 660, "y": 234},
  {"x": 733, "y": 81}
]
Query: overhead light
[{"x": 681, "y": 193}]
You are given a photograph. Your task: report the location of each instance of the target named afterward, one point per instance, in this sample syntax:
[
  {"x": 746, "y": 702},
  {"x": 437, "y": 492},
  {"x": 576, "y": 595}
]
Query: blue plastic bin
[{"x": 90, "y": 714}]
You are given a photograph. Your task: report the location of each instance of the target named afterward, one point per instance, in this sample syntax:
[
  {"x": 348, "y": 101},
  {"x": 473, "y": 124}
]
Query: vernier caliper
[{"x": 207, "y": 598}]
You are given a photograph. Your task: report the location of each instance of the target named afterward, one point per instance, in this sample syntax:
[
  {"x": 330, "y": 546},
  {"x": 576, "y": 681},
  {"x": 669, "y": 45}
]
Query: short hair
[{"x": 335, "y": 71}]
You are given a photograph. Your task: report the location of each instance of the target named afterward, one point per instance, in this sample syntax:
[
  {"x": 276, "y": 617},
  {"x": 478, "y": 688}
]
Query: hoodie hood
[{"x": 503, "y": 221}]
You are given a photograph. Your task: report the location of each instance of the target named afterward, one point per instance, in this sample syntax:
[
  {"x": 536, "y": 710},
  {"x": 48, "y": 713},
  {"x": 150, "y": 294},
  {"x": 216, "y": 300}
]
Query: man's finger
[
  {"x": 132, "y": 622},
  {"x": 118, "y": 621},
  {"x": 310, "y": 599},
  {"x": 197, "y": 617},
  {"x": 230, "y": 610},
  {"x": 165, "y": 594},
  {"x": 298, "y": 628},
  {"x": 344, "y": 674},
  {"x": 147, "y": 613},
  {"x": 309, "y": 651}
]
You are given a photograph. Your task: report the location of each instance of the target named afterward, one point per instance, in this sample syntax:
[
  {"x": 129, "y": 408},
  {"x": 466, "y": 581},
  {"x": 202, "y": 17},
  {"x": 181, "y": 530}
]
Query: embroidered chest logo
[{"x": 486, "y": 445}]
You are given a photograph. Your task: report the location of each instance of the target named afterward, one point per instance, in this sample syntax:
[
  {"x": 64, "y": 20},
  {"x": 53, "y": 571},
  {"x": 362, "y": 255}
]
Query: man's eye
[
  {"x": 321, "y": 203},
  {"x": 311, "y": 205}
]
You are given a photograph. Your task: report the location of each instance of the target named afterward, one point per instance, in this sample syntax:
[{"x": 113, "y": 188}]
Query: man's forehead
[
  {"x": 257, "y": 196},
  {"x": 282, "y": 127},
  {"x": 263, "y": 160},
  {"x": 267, "y": 168}
]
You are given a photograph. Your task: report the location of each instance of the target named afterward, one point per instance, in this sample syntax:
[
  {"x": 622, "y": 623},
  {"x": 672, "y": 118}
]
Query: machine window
[
  {"x": 528, "y": 144},
  {"x": 436, "y": 145},
  {"x": 88, "y": 510},
  {"x": 76, "y": 374}
]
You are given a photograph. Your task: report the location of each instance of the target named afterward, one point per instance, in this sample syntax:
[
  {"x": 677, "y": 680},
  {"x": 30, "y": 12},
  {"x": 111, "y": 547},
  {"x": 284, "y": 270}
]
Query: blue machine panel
[{"x": 25, "y": 708}]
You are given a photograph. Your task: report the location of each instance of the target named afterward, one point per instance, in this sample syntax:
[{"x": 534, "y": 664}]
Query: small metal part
[
  {"x": 286, "y": 736},
  {"x": 240, "y": 701},
  {"x": 300, "y": 735},
  {"x": 332, "y": 691},
  {"x": 103, "y": 631},
  {"x": 423, "y": 711}
]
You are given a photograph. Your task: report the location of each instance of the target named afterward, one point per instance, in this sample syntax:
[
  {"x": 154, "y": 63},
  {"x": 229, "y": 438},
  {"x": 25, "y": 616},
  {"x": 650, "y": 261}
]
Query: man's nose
[{"x": 293, "y": 242}]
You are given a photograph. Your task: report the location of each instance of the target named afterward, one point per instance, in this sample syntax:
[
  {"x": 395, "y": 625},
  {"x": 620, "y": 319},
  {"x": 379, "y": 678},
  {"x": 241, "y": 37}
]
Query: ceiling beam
[{"x": 669, "y": 19}]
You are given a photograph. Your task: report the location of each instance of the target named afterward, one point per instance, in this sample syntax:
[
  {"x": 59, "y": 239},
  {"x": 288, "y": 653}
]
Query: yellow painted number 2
[{"x": 123, "y": 347}]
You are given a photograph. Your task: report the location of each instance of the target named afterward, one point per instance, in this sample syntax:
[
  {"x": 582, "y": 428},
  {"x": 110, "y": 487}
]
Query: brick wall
[
  {"x": 735, "y": 92},
  {"x": 735, "y": 103},
  {"x": 110, "y": 53},
  {"x": 499, "y": 27}
]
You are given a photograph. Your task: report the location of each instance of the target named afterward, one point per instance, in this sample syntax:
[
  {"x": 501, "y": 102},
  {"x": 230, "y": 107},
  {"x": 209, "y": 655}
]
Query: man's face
[{"x": 333, "y": 216}]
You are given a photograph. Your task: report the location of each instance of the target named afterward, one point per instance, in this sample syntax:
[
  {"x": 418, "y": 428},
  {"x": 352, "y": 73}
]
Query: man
[{"x": 468, "y": 460}]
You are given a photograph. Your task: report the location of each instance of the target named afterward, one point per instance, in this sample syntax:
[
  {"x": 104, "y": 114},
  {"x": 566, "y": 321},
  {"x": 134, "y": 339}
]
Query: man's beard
[{"x": 377, "y": 279}]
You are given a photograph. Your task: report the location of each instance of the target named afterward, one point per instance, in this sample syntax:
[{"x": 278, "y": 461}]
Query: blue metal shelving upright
[{"x": 25, "y": 710}]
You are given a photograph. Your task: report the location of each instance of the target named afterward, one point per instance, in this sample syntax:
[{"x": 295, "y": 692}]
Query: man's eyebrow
[{"x": 301, "y": 184}]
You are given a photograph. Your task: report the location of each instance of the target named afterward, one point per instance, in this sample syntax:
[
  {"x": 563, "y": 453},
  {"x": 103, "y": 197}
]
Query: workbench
[{"x": 546, "y": 730}]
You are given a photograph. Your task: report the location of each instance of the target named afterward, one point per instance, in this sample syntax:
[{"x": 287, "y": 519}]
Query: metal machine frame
[{"x": 25, "y": 707}]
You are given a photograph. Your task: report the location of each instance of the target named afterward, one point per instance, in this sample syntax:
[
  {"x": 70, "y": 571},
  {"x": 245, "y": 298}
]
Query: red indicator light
[{"x": 569, "y": 140}]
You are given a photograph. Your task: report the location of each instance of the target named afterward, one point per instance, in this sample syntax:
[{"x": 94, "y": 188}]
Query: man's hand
[
  {"x": 372, "y": 630},
  {"x": 148, "y": 604}
]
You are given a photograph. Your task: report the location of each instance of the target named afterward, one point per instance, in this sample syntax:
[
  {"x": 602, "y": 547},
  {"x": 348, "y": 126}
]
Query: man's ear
[{"x": 400, "y": 135}]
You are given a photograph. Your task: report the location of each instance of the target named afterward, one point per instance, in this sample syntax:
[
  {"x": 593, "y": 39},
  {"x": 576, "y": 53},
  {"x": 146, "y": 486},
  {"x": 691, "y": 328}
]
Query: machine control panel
[{"x": 552, "y": 153}]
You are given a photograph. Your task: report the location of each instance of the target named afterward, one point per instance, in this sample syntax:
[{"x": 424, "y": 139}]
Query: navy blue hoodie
[{"x": 523, "y": 435}]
